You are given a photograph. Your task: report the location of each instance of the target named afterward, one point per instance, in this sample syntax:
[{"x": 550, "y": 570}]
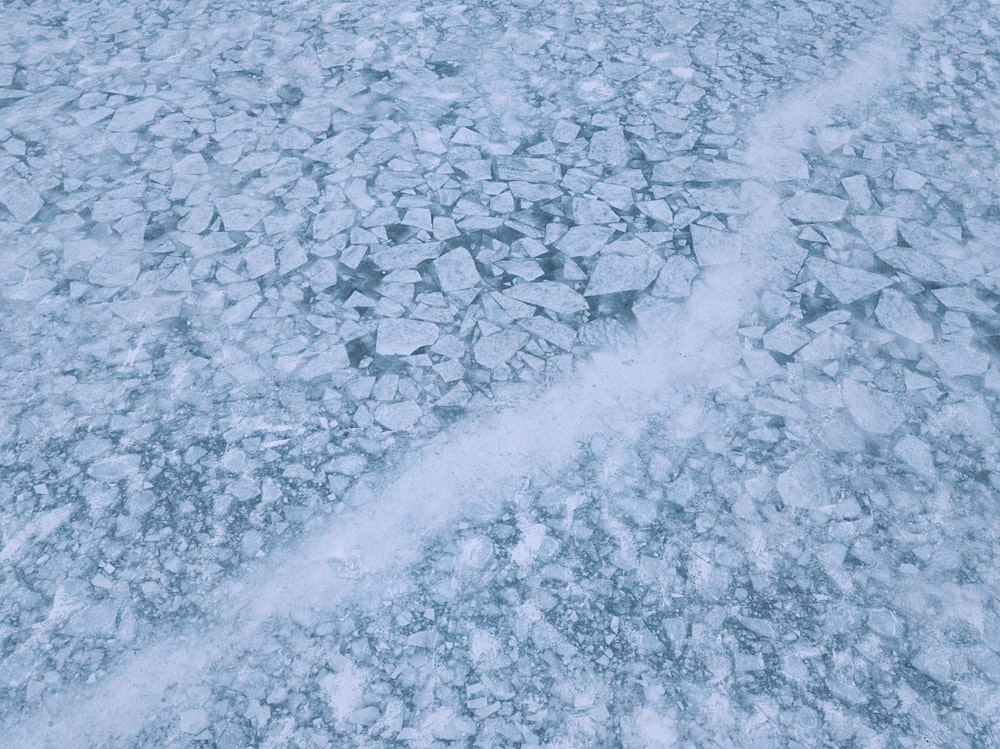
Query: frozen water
[{"x": 506, "y": 374}]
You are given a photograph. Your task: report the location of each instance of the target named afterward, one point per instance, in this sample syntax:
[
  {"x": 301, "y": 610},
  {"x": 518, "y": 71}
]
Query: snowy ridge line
[{"x": 382, "y": 528}]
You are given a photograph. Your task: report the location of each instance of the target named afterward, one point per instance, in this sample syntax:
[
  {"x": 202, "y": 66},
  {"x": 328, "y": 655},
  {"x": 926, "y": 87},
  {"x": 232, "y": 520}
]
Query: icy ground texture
[{"x": 268, "y": 271}]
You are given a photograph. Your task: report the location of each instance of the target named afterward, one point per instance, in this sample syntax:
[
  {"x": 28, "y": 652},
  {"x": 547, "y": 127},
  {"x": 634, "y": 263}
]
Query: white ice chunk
[
  {"x": 456, "y": 270},
  {"x": 401, "y": 337},
  {"x": 240, "y": 213},
  {"x": 916, "y": 454},
  {"x": 874, "y": 410},
  {"x": 803, "y": 485},
  {"x": 335, "y": 149},
  {"x": 588, "y": 211},
  {"x": 858, "y": 190},
  {"x": 813, "y": 207},
  {"x": 905, "y": 179},
  {"x": 550, "y": 295},
  {"x": 330, "y": 223},
  {"x": 714, "y": 247},
  {"x": 848, "y": 285},
  {"x": 20, "y": 198},
  {"x": 786, "y": 338},
  {"x": 617, "y": 273},
  {"x": 957, "y": 360},
  {"x": 397, "y": 416},
  {"x": 609, "y": 147},
  {"x": 493, "y": 350},
  {"x": 528, "y": 170},
  {"x": 674, "y": 280},
  {"x": 130, "y": 117},
  {"x": 114, "y": 269},
  {"x": 584, "y": 241},
  {"x": 897, "y": 313},
  {"x": 964, "y": 299},
  {"x": 879, "y": 231}
]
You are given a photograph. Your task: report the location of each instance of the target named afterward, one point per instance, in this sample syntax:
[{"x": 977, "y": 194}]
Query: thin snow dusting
[{"x": 523, "y": 374}]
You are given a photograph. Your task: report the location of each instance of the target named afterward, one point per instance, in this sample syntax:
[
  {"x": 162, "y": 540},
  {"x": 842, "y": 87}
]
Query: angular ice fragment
[
  {"x": 609, "y": 147},
  {"x": 785, "y": 338},
  {"x": 584, "y": 241},
  {"x": 714, "y": 247},
  {"x": 527, "y": 170},
  {"x": 803, "y": 485},
  {"x": 558, "y": 334},
  {"x": 259, "y": 260},
  {"x": 114, "y": 269},
  {"x": 674, "y": 280},
  {"x": 401, "y": 337},
  {"x": 587, "y": 211},
  {"x": 406, "y": 255},
  {"x": 858, "y": 191},
  {"x": 550, "y": 295},
  {"x": 397, "y": 416},
  {"x": 874, "y": 410},
  {"x": 330, "y": 223},
  {"x": 897, "y": 313},
  {"x": 493, "y": 350},
  {"x": 814, "y": 207},
  {"x": 456, "y": 270},
  {"x": 964, "y": 299},
  {"x": 879, "y": 231},
  {"x": 20, "y": 199},
  {"x": 848, "y": 285},
  {"x": 240, "y": 213},
  {"x": 905, "y": 179},
  {"x": 617, "y": 273},
  {"x": 916, "y": 454},
  {"x": 335, "y": 149},
  {"x": 957, "y": 360},
  {"x": 130, "y": 117}
]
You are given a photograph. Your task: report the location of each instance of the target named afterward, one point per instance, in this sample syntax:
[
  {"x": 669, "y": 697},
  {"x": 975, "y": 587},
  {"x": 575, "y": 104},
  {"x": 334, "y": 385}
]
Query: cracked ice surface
[{"x": 524, "y": 374}]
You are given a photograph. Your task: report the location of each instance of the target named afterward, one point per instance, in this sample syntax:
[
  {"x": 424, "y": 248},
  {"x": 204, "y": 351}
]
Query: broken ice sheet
[
  {"x": 550, "y": 295},
  {"x": 617, "y": 273},
  {"x": 847, "y": 284},
  {"x": 402, "y": 337},
  {"x": 20, "y": 199}
]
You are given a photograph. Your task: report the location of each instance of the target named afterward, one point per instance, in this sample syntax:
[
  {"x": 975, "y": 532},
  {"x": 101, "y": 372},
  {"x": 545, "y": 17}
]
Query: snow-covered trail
[{"x": 684, "y": 352}]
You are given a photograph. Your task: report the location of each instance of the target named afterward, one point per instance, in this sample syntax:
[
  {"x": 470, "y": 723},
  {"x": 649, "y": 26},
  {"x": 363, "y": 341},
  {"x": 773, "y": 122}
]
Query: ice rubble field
[{"x": 510, "y": 374}]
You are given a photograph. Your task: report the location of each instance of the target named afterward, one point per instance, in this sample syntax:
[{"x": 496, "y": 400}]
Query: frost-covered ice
[{"x": 521, "y": 374}]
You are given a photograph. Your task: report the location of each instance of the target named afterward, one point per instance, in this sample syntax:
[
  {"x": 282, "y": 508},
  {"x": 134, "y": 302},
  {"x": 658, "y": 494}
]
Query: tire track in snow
[{"x": 383, "y": 525}]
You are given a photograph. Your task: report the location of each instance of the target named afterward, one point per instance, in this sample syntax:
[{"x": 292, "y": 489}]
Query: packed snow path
[{"x": 645, "y": 397}]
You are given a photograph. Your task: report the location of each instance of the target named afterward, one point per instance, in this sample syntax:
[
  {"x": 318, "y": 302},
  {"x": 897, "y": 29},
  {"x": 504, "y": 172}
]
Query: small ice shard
[
  {"x": 815, "y": 207},
  {"x": 874, "y": 411},
  {"x": 493, "y": 350},
  {"x": 550, "y": 295},
  {"x": 401, "y": 337},
  {"x": 803, "y": 485},
  {"x": 897, "y": 313},
  {"x": 848, "y": 285},
  {"x": 617, "y": 273},
  {"x": 456, "y": 270}
]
